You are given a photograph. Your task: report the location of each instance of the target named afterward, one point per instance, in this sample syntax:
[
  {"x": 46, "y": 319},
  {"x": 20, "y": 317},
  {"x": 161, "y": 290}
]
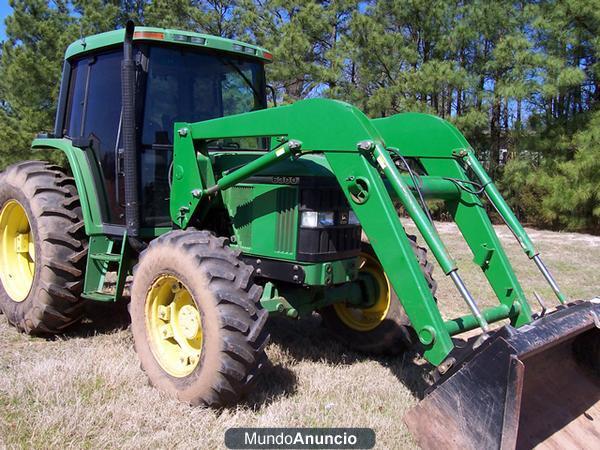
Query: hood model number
[{"x": 285, "y": 180}]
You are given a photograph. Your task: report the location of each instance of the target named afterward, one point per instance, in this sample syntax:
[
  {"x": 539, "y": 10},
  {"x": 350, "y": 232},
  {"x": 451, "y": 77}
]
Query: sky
[{"x": 4, "y": 11}]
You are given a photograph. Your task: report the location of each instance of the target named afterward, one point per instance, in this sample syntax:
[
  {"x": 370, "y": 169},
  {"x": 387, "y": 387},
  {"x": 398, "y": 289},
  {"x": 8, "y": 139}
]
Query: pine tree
[
  {"x": 37, "y": 36},
  {"x": 522, "y": 75},
  {"x": 305, "y": 37}
]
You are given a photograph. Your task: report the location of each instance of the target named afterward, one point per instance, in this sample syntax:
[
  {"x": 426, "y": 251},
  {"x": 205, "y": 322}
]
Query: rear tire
[
  {"x": 215, "y": 358},
  {"x": 393, "y": 334},
  {"x": 43, "y": 248}
]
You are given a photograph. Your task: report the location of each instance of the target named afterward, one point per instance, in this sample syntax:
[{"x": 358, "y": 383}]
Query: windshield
[
  {"x": 187, "y": 86},
  {"x": 184, "y": 85}
]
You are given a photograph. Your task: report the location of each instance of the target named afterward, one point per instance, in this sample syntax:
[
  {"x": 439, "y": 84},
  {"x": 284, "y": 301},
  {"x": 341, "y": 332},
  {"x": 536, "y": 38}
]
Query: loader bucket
[{"x": 538, "y": 385}]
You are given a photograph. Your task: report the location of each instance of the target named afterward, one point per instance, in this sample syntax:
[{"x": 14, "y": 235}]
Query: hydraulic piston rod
[
  {"x": 286, "y": 150},
  {"x": 549, "y": 278},
  {"x": 470, "y": 301},
  {"x": 509, "y": 218}
]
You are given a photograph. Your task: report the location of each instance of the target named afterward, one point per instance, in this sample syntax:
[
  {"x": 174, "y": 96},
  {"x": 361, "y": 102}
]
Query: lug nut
[
  {"x": 166, "y": 332},
  {"x": 164, "y": 313}
]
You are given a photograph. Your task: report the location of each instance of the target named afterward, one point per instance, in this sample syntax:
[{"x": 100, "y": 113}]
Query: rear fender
[{"x": 93, "y": 203}]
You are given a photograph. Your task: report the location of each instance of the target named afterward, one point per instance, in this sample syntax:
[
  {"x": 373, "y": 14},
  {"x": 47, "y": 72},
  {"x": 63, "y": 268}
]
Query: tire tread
[
  {"x": 54, "y": 302},
  {"x": 242, "y": 331}
]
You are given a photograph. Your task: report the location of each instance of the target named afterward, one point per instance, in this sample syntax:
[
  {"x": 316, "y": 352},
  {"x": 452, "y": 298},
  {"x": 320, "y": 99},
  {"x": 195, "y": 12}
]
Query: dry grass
[{"x": 86, "y": 389}]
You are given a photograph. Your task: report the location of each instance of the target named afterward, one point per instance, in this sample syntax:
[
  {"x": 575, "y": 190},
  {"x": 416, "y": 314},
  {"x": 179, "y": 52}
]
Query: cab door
[{"x": 92, "y": 120}]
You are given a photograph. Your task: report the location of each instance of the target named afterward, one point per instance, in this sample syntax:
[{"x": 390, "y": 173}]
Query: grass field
[{"x": 85, "y": 389}]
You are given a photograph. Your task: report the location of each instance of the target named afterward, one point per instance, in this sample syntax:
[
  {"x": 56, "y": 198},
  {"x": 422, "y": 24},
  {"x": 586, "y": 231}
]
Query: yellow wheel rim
[
  {"x": 366, "y": 319},
  {"x": 17, "y": 251},
  {"x": 174, "y": 326}
]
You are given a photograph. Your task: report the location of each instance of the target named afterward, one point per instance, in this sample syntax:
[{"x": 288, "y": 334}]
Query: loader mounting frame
[{"x": 359, "y": 152}]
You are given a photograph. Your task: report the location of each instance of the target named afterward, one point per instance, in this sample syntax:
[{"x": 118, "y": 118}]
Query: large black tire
[
  {"x": 394, "y": 334},
  {"x": 49, "y": 198},
  {"x": 232, "y": 321}
]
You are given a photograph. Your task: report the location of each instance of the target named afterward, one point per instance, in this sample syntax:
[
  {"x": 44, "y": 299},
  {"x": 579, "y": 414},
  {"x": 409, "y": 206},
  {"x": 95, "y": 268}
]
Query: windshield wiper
[{"x": 257, "y": 96}]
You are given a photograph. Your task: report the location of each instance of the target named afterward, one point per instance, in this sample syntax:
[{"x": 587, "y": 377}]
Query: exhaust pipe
[{"x": 130, "y": 157}]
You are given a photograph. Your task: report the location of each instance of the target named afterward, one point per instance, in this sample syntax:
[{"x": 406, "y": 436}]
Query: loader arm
[
  {"x": 436, "y": 144},
  {"x": 356, "y": 149},
  {"x": 494, "y": 392},
  {"x": 333, "y": 128}
]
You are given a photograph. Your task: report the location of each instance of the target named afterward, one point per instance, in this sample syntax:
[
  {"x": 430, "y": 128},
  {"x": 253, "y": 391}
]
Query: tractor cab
[{"x": 179, "y": 77}]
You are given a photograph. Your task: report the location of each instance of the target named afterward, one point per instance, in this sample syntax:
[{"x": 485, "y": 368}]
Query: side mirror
[{"x": 273, "y": 94}]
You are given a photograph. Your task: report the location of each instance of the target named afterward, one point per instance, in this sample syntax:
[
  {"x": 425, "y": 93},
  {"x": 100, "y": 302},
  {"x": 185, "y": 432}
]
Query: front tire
[
  {"x": 43, "y": 248},
  {"x": 196, "y": 319},
  {"x": 384, "y": 328}
]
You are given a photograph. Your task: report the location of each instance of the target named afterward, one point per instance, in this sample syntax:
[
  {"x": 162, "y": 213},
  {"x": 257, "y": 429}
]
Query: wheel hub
[
  {"x": 366, "y": 319},
  {"x": 189, "y": 321},
  {"x": 17, "y": 251},
  {"x": 174, "y": 326}
]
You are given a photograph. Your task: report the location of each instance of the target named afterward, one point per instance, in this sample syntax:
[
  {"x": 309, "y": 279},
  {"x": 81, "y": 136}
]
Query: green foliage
[
  {"x": 560, "y": 194},
  {"x": 520, "y": 186},
  {"x": 573, "y": 199},
  {"x": 30, "y": 73},
  {"x": 521, "y": 76}
]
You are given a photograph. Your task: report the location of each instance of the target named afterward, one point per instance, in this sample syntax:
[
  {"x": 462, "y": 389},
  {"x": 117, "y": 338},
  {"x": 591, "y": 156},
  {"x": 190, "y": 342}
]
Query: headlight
[
  {"x": 352, "y": 219},
  {"x": 314, "y": 219},
  {"x": 326, "y": 219}
]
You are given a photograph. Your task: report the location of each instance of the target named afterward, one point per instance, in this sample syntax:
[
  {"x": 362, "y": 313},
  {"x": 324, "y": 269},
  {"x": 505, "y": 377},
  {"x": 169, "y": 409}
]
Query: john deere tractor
[{"x": 226, "y": 211}]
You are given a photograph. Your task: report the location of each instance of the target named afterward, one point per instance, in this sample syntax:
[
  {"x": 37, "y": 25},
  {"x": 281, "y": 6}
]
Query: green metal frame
[
  {"x": 358, "y": 153},
  {"x": 295, "y": 301},
  {"x": 438, "y": 154}
]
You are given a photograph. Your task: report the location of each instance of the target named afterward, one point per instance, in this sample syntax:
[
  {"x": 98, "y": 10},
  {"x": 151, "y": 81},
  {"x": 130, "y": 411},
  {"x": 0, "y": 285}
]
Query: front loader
[{"x": 226, "y": 211}]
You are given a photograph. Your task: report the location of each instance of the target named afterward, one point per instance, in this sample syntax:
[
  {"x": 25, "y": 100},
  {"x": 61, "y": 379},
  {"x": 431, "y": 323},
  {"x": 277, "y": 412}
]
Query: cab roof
[{"x": 115, "y": 37}]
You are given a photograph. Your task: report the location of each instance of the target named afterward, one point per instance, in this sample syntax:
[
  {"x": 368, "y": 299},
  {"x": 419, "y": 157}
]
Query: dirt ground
[{"x": 85, "y": 389}]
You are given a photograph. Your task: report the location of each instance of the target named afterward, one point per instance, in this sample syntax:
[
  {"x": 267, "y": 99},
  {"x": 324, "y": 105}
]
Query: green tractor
[{"x": 226, "y": 211}]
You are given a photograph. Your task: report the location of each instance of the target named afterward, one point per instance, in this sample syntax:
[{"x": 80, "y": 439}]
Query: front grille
[
  {"x": 286, "y": 221},
  {"x": 339, "y": 241},
  {"x": 242, "y": 200}
]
